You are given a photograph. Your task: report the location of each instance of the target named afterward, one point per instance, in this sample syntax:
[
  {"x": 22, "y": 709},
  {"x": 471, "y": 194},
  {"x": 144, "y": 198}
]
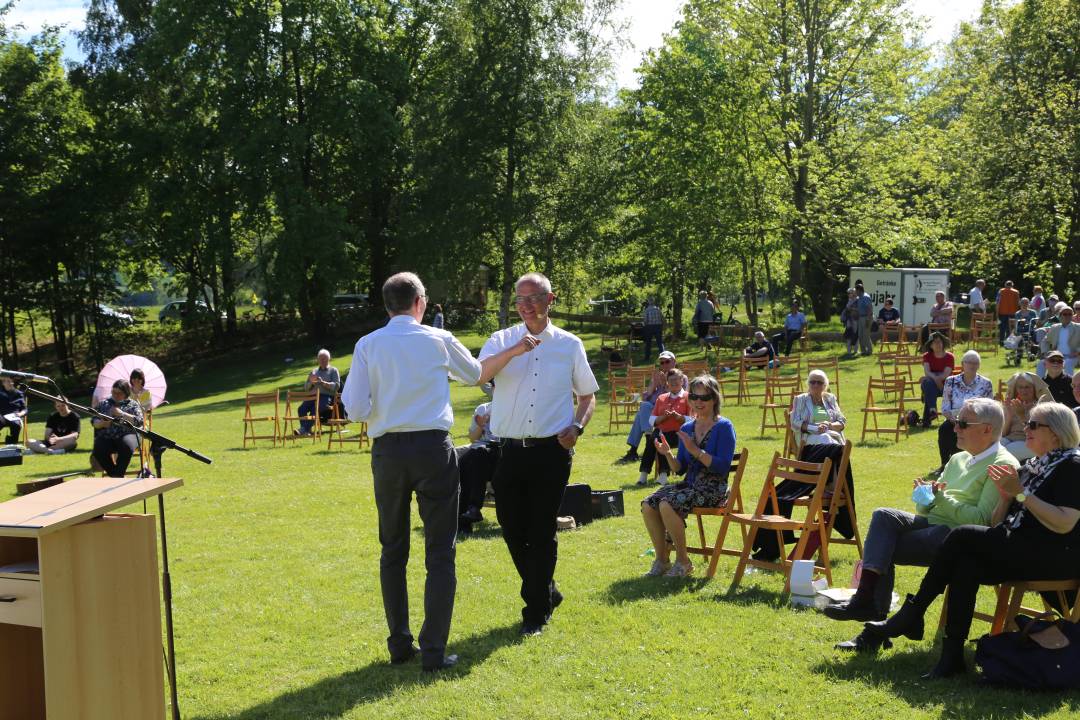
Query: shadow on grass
[
  {"x": 899, "y": 672},
  {"x": 747, "y": 595},
  {"x": 648, "y": 588},
  {"x": 487, "y": 531},
  {"x": 334, "y": 697}
]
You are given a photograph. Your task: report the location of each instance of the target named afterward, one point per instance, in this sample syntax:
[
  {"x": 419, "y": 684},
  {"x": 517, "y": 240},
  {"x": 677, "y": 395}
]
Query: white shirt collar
[
  {"x": 984, "y": 454},
  {"x": 403, "y": 319}
]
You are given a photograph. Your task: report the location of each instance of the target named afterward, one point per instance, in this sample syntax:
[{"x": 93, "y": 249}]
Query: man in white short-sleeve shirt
[{"x": 534, "y": 413}]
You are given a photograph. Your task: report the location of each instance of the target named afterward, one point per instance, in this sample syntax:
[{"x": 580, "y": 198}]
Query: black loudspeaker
[
  {"x": 577, "y": 503},
  {"x": 607, "y": 503}
]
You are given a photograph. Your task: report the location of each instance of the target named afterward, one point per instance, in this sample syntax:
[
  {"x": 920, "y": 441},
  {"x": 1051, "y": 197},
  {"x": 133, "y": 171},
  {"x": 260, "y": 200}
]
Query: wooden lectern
[{"x": 80, "y": 608}]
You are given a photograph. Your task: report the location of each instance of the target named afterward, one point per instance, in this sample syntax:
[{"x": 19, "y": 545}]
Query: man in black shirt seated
[
  {"x": 61, "y": 432},
  {"x": 12, "y": 409},
  {"x": 760, "y": 348},
  {"x": 1057, "y": 380}
]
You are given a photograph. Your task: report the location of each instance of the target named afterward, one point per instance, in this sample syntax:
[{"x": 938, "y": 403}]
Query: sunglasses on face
[
  {"x": 700, "y": 398},
  {"x": 1034, "y": 425},
  {"x": 666, "y": 362},
  {"x": 1055, "y": 361},
  {"x": 817, "y": 382},
  {"x": 965, "y": 424}
]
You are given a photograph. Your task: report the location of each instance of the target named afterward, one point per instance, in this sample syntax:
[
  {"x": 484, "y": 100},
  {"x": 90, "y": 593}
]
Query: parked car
[
  {"x": 111, "y": 316},
  {"x": 350, "y": 301},
  {"x": 177, "y": 309}
]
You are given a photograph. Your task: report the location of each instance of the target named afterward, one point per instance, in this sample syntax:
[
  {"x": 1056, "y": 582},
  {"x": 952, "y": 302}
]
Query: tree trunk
[{"x": 508, "y": 231}]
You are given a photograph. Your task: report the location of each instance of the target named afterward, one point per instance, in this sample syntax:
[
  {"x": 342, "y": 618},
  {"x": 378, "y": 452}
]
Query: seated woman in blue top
[{"x": 706, "y": 449}]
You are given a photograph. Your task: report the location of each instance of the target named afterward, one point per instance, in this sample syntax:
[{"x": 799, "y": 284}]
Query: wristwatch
[
  {"x": 1021, "y": 497},
  {"x": 580, "y": 429}
]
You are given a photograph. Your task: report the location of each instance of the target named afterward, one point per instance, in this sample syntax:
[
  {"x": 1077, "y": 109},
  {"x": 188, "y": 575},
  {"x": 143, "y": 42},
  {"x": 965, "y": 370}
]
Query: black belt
[{"x": 530, "y": 442}]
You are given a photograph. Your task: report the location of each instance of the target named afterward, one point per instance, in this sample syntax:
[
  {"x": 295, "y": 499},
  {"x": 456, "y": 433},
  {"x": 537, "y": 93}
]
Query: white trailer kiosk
[{"x": 912, "y": 289}]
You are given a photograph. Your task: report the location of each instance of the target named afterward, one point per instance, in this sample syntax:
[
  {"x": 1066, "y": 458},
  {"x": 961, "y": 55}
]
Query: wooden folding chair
[
  {"x": 814, "y": 523},
  {"x": 292, "y": 417},
  {"x": 1009, "y": 603},
  {"x": 251, "y": 417},
  {"x": 1002, "y": 388},
  {"x": 831, "y": 368},
  {"x": 984, "y": 336},
  {"x": 610, "y": 343},
  {"x": 884, "y": 397},
  {"x": 790, "y": 448},
  {"x": 730, "y": 382},
  {"x": 734, "y": 504},
  {"x": 911, "y": 344},
  {"x": 746, "y": 367},
  {"x": 336, "y": 428},
  {"x": 945, "y": 329},
  {"x": 892, "y": 338},
  {"x": 618, "y": 367},
  {"x": 622, "y": 406},
  {"x": 839, "y": 497},
  {"x": 693, "y": 368},
  {"x": 790, "y": 365},
  {"x": 780, "y": 393},
  {"x": 804, "y": 341}
]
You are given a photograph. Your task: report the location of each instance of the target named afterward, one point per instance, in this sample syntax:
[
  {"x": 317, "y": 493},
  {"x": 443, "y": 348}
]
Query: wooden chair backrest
[
  {"x": 888, "y": 391},
  {"x": 782, "y": 390},
  {"x": 782, "y": 468},
  {"x": 693, "y": 368},
  {"x": 735, "y": 475},
  {"x": 831, "y": 368}
]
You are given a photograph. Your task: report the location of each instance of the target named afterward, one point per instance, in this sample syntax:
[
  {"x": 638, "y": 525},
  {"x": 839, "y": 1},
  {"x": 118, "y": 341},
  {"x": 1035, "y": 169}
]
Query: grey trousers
[
  {"x": 423, "y": 463},
  {"x": 895, "y": 538},
  {"x": 866, "y": 344}
]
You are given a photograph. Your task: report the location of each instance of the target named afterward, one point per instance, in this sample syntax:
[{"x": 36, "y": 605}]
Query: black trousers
[
  {"x": 477, "y": 466},
  {"x": 124, "y": 447},
  {"x": 788, "y": 338},
  {"x": 649, "y": 456},
  {"x": 974, "y": 555},
  {"x": 946, "y": 441},
  {"x": 529, "y": 484},
  {"x": 422, "y": 463}
]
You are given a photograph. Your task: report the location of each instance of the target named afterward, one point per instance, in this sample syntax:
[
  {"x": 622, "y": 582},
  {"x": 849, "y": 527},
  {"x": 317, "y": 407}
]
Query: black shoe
[
  {"x": 865, "y": 642},
  {"x": 445, "y": 664},
  {"x": 473, "y": 514},
  {"x": 764, "y": 556},
  {"x": 405, "y": 656},
  {"x": 854, "y": 609},
  {"x": 630, "y": 456},
  {"x": 908, "y": 621},
  {"x": 530, "y": 629},
  {"x": 951, "y": 662},
  {"x": 556, "y": 597}
]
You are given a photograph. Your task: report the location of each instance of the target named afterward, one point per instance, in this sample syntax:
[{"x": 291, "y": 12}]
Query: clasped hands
[{"x": 687, "y": 442}]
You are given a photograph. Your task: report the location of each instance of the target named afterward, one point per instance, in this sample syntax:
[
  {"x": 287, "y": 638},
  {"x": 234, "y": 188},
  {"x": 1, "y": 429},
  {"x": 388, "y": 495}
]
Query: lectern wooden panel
[{"x": 80, "y": 610}]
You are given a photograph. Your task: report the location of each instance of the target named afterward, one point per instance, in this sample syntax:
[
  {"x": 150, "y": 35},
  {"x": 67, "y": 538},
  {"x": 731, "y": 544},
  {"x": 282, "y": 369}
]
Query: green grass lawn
[{"x": 278, "y": 613}]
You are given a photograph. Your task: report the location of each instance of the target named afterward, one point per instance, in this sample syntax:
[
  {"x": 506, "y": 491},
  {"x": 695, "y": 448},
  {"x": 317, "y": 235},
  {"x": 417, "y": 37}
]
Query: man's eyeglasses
[
  {"x": 700, "y": 398},
  {"x": 530, "y": 299},
  {"x": 965, "y": 424},
  {"x": 666, "y": 361},
  {"x": 1034, "y": 425},
  {"x": 1055, "y": 361}
]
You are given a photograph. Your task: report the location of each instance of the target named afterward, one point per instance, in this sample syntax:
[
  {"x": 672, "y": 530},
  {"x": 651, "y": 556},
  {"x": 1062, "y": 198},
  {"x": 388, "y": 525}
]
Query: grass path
[{"x": 278, "y": 612}]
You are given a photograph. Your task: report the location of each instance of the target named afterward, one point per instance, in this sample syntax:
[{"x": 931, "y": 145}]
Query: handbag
[{"x": 1043, "y": 655}]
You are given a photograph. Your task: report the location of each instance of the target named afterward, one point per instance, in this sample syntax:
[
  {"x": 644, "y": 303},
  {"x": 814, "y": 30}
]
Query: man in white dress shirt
[
  {"x": 533, "y": 412},
  {"x": 398, "y": 385},
  {"x": 975, "y": 297}
]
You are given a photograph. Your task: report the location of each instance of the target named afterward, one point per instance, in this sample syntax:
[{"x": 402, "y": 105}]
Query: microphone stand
[{"x": 158, "y": 445}]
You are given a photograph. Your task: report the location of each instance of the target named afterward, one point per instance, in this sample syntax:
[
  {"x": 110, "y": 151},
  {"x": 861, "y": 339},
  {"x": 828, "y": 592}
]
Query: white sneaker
[
  {"x": 643, "y": 479},
  {"x": 680, "y": 570},
  {"x": 659, "y": 567},
  {"x": 662, "y": 478},
  {"x": 55, "y": 451}
]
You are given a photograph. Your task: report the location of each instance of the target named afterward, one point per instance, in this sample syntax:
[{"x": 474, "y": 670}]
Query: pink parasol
[{"x": 120, "y": 367}]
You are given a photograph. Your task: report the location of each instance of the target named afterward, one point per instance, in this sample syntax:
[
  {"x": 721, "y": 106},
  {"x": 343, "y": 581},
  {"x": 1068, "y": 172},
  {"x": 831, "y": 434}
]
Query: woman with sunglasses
[
  {"x": 818, "y": 426},
  {"x": 1024, "y": 391},
  {"x": 1035, "y": 535},
  {"x": 706, "y": 449}
]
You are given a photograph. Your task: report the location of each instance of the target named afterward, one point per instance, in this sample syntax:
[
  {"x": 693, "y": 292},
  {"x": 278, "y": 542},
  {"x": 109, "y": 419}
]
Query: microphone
[{"x": 25, "y": 377}]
